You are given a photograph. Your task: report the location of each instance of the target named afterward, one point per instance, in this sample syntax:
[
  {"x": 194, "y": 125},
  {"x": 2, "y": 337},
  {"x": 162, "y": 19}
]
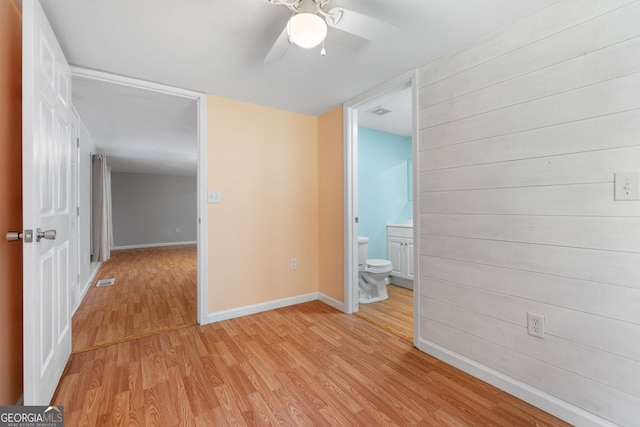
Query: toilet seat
[{"x": 378, "y": 264}]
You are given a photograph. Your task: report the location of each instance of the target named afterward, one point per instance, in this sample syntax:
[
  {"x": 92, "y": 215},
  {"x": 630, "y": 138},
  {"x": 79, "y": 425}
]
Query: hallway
[{"x": 155, "y": 291}]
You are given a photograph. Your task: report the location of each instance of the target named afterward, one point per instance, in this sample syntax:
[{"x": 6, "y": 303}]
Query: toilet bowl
[{"x": 372, "y": 275}]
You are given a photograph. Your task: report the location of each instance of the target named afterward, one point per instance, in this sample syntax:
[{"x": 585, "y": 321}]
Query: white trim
[
  {"x": 201, "y": 99},
  {"x": 417, "y": 293},
  {"x": 153, "y": 245},
  {"x": 203, "y": 234},
  {"x": 258, "y": 308},
  {"x": 351, "y": 304},
  {"x": 331, "y": 301},
  {"x": 408, "y": 79},
  {"x": 132, "y": 82},
  {"x": 538, "y": 398}
]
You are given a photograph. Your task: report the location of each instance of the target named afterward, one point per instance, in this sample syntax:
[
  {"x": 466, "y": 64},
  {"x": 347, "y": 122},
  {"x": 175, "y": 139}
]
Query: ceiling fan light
[{"x": 307, "y": 29}]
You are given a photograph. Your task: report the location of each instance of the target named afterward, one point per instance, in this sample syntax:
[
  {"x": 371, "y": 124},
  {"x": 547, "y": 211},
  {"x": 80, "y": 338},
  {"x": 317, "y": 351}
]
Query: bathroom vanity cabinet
[{"x": 400, "y": 253}]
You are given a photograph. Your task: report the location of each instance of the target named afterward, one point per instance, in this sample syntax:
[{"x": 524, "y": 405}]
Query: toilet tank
[{"x": 363, "y": 250}]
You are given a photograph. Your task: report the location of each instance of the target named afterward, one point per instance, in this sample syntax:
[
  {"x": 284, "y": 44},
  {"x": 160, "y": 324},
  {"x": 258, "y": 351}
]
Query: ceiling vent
[{"x": 379, "y": 111}]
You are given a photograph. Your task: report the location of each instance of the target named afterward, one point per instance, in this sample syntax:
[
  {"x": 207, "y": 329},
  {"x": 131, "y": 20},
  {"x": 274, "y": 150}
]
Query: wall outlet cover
[{"x": 535, "y": 325}]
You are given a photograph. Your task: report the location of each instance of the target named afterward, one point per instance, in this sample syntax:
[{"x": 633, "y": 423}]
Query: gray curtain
[{"x": 101, "y": 222}]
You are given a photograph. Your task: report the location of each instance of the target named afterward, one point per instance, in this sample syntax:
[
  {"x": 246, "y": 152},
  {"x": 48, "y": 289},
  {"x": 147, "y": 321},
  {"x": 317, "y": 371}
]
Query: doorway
[
  {"x": 185, "y": 109},
  {"x": 357, "y": 123}
]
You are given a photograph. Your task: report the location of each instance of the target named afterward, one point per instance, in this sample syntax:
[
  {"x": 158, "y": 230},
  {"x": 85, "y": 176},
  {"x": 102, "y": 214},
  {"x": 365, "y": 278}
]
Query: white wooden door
[{"x": 46, "y": 205}]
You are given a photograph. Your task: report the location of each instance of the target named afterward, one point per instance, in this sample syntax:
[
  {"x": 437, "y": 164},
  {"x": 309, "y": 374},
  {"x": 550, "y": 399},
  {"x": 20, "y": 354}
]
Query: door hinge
[
  {"x": 357, "y": 220},
  {"x": 78, "y": 211},
  {"x": 78, "y": 276},
  {"x": 78, "y": 142}
]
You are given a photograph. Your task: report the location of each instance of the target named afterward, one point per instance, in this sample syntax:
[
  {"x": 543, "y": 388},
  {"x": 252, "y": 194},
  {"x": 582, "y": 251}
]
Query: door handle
[{"x": 49, "y": 235}]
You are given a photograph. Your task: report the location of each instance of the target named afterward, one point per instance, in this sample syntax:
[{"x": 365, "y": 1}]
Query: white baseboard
[
  {"x": 152, "y": 245},
  {"x": 548, "y": 403},
  {"x": 331, "y": 301},
  {"x": 257, "y": 308},
  {"x": 402, "y": 282}
]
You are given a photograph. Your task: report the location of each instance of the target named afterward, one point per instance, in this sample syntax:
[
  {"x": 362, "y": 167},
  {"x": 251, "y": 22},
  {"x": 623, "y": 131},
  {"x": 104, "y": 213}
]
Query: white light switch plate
[
  {"x": 627, "y": 186},
  {"x": 214, "y": 196}
]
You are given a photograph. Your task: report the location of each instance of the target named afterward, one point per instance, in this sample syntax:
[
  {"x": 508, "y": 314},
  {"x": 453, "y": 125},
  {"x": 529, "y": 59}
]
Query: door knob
[{"x": 49, "y": 235}]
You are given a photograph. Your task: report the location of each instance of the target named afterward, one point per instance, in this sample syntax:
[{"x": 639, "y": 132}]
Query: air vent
[
  {"x": 379, "y": 111},
  {"x": 105, "y": 282}
]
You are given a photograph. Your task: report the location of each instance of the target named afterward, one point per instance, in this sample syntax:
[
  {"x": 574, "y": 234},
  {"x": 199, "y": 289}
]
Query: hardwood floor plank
[
  {"x": 155, "y": 291},
  {"x": 302, "y": 365},
  {"x": 394, "y": 314}
]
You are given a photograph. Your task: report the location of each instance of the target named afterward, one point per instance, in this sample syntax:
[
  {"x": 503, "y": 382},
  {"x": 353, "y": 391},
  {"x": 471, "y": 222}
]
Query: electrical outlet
[
  {"x": 294, "y": 264},
  {"x": 535, "y": 325}
]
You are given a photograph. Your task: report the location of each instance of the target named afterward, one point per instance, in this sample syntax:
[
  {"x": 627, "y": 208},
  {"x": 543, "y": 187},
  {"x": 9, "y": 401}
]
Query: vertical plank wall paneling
[{"x": 520, "y": 137}]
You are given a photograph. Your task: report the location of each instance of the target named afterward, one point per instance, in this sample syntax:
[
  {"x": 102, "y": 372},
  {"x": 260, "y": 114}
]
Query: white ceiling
[
  {"x": 218, "y": 47},
  {"x": 140, "y": 131},
  {"x": 398, "y": 120}
]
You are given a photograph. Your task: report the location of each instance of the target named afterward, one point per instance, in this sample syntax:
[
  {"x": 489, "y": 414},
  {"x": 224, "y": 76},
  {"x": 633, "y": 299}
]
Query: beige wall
[
  {"x": 11, "y": 202},
  {"x": 331, "y": 203},
  {"x": 265, "y": 163}
]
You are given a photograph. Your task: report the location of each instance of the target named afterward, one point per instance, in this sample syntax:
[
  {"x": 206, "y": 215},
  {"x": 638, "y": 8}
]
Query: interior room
[
  {"x": 147, "y": 280},
  {"x": 518, "y": 203}
]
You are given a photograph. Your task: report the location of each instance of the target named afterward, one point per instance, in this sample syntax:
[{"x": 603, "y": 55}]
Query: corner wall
[
  {"x": 331, "y": 204},
  {"x": 11, "y": 202},
  {"x": 520, "y": 137},
  {"x": 265, "y": 163}
]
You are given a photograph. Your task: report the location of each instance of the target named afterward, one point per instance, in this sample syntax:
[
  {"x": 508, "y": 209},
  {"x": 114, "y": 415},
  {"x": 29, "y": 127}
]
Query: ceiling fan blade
[
  {"x": 359, "y": 24},
  {"x": 279, "y": 48}
]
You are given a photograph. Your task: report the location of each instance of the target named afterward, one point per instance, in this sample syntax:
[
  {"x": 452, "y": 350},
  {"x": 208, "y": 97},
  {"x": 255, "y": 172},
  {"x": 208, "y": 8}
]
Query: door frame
[
  {"x": 350, "y": 112},
  {"x": 201, "y": 192}
]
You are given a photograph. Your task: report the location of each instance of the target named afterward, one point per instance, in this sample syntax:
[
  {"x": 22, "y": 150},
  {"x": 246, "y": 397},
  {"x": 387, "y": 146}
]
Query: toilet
[{"x": 372, "y": 275}]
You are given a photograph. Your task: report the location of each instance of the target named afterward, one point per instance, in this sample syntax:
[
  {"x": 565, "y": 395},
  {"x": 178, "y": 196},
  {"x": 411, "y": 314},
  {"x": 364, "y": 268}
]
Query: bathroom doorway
[{"x": 380, "y": 185}]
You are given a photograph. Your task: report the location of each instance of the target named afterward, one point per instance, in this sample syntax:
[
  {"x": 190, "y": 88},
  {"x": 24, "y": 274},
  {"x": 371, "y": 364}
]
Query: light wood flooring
[
  {"x": 394, "y": 314},
  {"x": 155, "y": 291},
  {"x": 304, "y": 365}
]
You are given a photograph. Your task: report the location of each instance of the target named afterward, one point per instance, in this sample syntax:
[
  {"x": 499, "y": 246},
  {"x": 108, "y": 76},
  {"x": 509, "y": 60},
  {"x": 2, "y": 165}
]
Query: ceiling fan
[{"x": 307, "y": 27}]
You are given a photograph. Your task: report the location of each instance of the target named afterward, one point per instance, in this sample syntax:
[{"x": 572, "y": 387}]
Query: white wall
[
  {"x": 148, "y": 209},
  {"x": 520, "y": 137},
  {"x": 87, "y": 268}
]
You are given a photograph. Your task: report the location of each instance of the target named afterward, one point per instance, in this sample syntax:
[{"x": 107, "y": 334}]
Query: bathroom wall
[
  {"x": 153, "y": 209},
  {"x": 265, "y": 163},
  {"x": 10, "y": 202},
  {"x": 520, "y": 138},
  {"x": 383, "y": 192}
]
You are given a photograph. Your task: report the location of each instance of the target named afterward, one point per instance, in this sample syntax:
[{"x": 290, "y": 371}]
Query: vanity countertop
[{"x": 405, "y": 225}]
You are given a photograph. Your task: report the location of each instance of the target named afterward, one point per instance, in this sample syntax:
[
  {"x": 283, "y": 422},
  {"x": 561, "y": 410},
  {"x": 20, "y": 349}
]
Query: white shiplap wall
[{"x": 520, "y": 137}]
